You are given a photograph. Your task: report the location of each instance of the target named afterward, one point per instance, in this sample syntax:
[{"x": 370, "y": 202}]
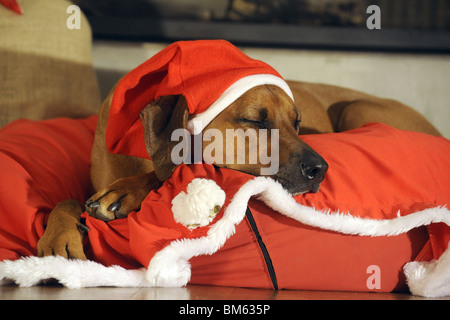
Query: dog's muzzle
[{"x": 304, "y": 173}]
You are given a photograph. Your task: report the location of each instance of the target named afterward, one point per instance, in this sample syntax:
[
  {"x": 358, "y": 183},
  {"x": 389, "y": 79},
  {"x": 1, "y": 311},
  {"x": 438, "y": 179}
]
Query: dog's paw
[
  {"x": 68, "y": 244},
  {"x": 108, "y": 205},
  {"x": 64, "y": 233},
  {"x": 120, "y": 198}
]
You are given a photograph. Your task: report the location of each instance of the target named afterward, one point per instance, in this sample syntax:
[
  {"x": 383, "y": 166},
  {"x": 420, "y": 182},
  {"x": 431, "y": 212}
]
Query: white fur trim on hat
[{"x": 199, "y": 121}]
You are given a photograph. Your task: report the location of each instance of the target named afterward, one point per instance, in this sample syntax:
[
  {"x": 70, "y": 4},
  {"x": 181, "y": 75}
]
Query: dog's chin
[
  {"x": 296, "y": 188},
  {"x": 313, "y": 189}
]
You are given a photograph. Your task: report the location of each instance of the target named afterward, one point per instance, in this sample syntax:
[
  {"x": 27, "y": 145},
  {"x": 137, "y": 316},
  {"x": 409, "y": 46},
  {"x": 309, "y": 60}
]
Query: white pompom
[{"x": 199, "y": 205}]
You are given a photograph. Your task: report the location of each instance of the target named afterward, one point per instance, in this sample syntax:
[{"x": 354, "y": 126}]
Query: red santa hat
[{"x": 210, "y": 74}]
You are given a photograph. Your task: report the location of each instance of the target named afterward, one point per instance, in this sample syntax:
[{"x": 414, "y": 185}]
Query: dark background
[{"x": 406, "y": 25}]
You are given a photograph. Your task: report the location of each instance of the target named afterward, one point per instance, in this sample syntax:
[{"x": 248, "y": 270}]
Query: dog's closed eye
[
  {"x": 258, "y": 119},
  {"x": 297, "y": 124},
  {"x": 298, "y": 120},
  {"x": 258, "y": 123}
]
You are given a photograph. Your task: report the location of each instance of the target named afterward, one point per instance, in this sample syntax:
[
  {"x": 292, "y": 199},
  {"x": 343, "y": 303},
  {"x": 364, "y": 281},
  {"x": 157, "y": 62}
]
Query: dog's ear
[{"x": 160, "y": 118}]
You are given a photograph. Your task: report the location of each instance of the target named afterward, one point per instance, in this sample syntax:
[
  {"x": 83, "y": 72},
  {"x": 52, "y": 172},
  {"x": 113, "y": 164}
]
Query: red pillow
[
  {"x": 45, "y": 162},
  {"x": 376, "y": 170},
  {"x": 301, "y": 257},
  {"x": 41, "y": 164}
]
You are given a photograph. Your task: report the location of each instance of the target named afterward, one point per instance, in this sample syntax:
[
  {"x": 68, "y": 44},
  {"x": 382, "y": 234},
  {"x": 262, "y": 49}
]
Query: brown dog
[{"x": 122, "y": 182}]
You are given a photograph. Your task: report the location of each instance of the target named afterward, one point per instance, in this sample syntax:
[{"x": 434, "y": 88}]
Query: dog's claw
[
  {"x": 90, "y": 205},
  {"x": 107, "y": 206},
  {"x": 83, "y": 228},
  {"x": 96, "y": 204},
  {"x": 115, "y": 206}
]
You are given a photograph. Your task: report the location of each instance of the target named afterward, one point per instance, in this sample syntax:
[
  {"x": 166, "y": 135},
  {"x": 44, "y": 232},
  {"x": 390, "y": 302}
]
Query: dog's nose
[{"x": 314, "y": 167}]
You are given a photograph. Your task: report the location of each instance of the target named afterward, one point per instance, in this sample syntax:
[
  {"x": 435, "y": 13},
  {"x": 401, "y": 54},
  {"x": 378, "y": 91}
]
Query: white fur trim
[
  {"x": 197, "y": 207},
  {"x": 199, "y": 122},
  {"x": 30, "y": 271},
  {"x": 279, "y": 199},
  {"x": 273, "y": 194},
  {"x": 429, "y": 279},
  {"x": 170, "y": 266}
]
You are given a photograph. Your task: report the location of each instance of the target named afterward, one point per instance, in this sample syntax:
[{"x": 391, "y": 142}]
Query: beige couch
[{"x": 45, "y": 68}]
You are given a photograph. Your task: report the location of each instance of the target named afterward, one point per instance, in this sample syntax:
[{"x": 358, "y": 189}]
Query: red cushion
[
  {"x": 307, "y": 258},
  {"x": 377, "y": 170},
  {"x": 45, "y": 162},
  {"x": 304, "y": 257},
  {"x": 41, "y": 164},
  {"x": 374, "y": 172}
]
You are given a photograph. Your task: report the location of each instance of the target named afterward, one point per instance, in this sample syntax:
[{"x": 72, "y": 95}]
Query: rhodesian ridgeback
[{"x": 122, "y": 182}]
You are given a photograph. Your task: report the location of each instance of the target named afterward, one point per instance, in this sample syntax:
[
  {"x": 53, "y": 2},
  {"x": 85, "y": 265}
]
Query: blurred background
[
  {"x": 309, "y": 40},
  {"x": 324, "y": 41}
]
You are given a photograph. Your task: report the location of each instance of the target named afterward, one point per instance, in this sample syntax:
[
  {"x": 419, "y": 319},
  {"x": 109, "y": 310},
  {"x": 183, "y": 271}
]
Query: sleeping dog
[{"x": 122, "y": 182}]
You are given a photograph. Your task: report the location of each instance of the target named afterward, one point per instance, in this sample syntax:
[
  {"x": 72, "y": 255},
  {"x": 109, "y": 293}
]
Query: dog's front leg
[{"x": 64, "y": 233}]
